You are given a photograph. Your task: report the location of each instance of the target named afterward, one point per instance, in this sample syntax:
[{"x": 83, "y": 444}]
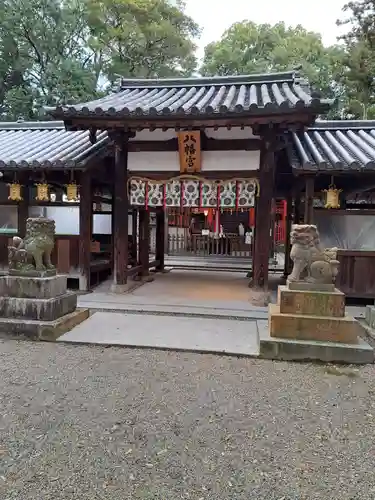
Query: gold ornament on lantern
[
  {"x": 15, "y": 192},
  {"x": 42, "y": 192},
  {"x": 72, "y": 191},
  {"x": 332, "y": 195}
]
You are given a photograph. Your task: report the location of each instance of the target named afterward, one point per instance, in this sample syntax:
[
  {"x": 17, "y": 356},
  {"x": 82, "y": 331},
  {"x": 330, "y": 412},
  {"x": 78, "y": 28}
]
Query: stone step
[
  {"x": 41, "y": 330},
  {"x": 38, "y": 309},
  {"x": 32, "y": 288},
  {"x": 308, "y": 327}
]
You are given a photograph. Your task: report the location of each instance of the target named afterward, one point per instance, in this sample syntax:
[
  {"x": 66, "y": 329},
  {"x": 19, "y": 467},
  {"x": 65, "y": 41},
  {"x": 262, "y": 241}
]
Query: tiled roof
[
  {"x": 335, "y": 145},
  {"x": 32, "y": 145},
  {"x": 232, "y": 95}
]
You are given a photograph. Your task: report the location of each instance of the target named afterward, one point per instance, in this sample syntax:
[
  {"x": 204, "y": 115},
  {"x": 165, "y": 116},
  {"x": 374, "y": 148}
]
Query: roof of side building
[
  {"x": 342, "y": 145},
  {"x": 37, "y": 145}
]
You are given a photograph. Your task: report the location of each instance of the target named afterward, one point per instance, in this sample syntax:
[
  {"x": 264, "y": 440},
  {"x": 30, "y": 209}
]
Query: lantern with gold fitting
[
  {"x": 72, "y": 189},
  {"x": 332, "y": 196},
  {"x": 42, "y": 191},
  {"x": 15, "y": 191}
]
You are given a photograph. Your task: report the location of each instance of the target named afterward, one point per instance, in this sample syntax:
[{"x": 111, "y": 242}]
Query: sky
[{"x": 215, "y": 16}]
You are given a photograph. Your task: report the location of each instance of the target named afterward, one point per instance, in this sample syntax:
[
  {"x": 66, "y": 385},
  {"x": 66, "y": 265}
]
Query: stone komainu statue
[
  {"x": 308, "y": 255},
  {"x": 33, "y": 253}
]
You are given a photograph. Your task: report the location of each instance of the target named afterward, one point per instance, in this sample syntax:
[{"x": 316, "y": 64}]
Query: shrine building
[{"x": 215, "y": 168}]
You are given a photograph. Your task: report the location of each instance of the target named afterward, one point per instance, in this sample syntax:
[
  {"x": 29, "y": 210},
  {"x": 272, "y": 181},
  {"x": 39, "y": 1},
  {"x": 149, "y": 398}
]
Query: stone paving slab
[
  {"x": 166, "y": 332},
  {"x": 177, "y": 310},
  {"x": 312, "y": 350},
  {"x": 159, "y": 305}
]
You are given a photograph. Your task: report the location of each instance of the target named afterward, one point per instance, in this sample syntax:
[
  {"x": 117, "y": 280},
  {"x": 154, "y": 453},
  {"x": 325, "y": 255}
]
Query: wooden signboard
[{"x": 189, "y": 146}]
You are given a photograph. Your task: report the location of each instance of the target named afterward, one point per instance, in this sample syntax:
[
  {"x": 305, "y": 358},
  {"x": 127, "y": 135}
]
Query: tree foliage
[
  {"x": 359, "y": 62},
  {"x": 142, "y": 38},
  {"x": 58, "y": 51},
  {"x": 247, "y": 47}
]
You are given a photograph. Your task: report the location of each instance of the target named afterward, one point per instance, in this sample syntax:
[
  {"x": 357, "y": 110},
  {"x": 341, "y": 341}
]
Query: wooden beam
[
  {"x": 85, "y": 231},
  {"x": 297, "y": 208},
  {"x": 287, "y": 245},
  {"x": 120, "y": 213},
  {"x": 160, "y": 239},
  {"x": 309, "y": 200},
  {"x": 262, "y": 242},
  {"x": 144, "y": 240},
  {"x": 23, "y": 211},
  {"x": 208, "y": 144},
  {"x": 241, "y": 174},
  {"x": 195, "y": 122}
]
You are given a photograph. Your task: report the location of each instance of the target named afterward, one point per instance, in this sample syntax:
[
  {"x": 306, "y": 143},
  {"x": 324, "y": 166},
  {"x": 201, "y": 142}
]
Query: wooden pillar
[
  {"x": 23, "y": 211},
  {"x": 297, "y": 209},
  {"x": 166, "y": 231},
  {"x": 134, "y": 256},
  {"x": 262, "y": 242},
  {"x": 309, "y": 200},
  {"x": 287, "y": 245},
  {"x": 144, "y": 240},
  {"x": 160, "y": 239},
  {"x": 343, "y": 200},
  {"x": 120, "y": 209},
  {"x": 85, "y": 231}
]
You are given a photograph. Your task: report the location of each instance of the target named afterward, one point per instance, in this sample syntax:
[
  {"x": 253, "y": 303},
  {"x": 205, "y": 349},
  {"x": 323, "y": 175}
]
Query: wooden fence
[{"x": 199, "y": 245}]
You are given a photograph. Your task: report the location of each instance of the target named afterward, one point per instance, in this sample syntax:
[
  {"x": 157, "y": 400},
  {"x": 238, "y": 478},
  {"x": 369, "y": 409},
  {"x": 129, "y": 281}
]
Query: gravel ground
[{"x": 93, "y": 423}]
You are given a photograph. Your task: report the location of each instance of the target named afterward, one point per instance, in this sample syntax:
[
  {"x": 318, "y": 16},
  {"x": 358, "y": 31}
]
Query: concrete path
[
  {"x": 167, "y": 332},
  {"x": 194, "y": 293},
  {"x": 189, "y": 293},
  {"x": 193, "y": 311}
]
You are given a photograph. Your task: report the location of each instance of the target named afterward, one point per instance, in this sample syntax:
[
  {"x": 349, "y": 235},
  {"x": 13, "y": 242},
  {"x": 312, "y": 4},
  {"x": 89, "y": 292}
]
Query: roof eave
[{"x": 68, "y": 114}]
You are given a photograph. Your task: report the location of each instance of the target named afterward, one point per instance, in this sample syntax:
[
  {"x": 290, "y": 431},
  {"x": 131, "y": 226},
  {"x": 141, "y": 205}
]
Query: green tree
[
  {"x": 247, "y": 47},
  {"x": 142, "y": 38},
  {"x": 48, "y": 39},
  {"x": 359, "y": 63},
  {"x": 59, "y": 51}
]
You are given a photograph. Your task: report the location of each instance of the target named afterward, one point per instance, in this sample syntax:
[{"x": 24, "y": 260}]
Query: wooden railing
[{"x": 199, "y": 245}]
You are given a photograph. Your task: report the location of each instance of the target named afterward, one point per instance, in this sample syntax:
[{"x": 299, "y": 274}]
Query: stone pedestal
[
  {"x": 39, "y": 308},
  {"x": 312, "y": 312}
]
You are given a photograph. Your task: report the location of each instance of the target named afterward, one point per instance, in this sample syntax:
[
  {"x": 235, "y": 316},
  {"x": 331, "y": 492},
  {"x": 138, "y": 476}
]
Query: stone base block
[
  {"x": 32, "y": 288},
  {"x": 38, "y": 309},
  {"x": 41, "y": 330},
  {"x": 304, "y": 327},
  {"x": 33, "y": 273},
  {"x": 312, "y": 303},
  {"x": 370, "y": 316},
  {"x": 311, "y": 350},
  {"x": 312, "y": 287}
]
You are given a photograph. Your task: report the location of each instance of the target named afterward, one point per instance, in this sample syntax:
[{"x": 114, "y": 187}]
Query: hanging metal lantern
[
  {"x": 72, "y": 191},
  {"x": 42, "y": 193},
  {"x": 15, "y": 192},
  {"x": 332, "y": 197}
]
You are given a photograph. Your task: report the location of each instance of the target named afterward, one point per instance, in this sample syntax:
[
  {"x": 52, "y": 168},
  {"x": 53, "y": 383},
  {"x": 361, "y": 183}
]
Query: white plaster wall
[
  {"x": 156, "y": 135},
  {"x": 233, "y": 133},
  {"x": 102, "y": 224},
  {"x": 230, "y": 160},
  {"x": 162, "y": 161},
  {"x": 67, "y": 220},
  {"x": 168, "y": 161}
]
